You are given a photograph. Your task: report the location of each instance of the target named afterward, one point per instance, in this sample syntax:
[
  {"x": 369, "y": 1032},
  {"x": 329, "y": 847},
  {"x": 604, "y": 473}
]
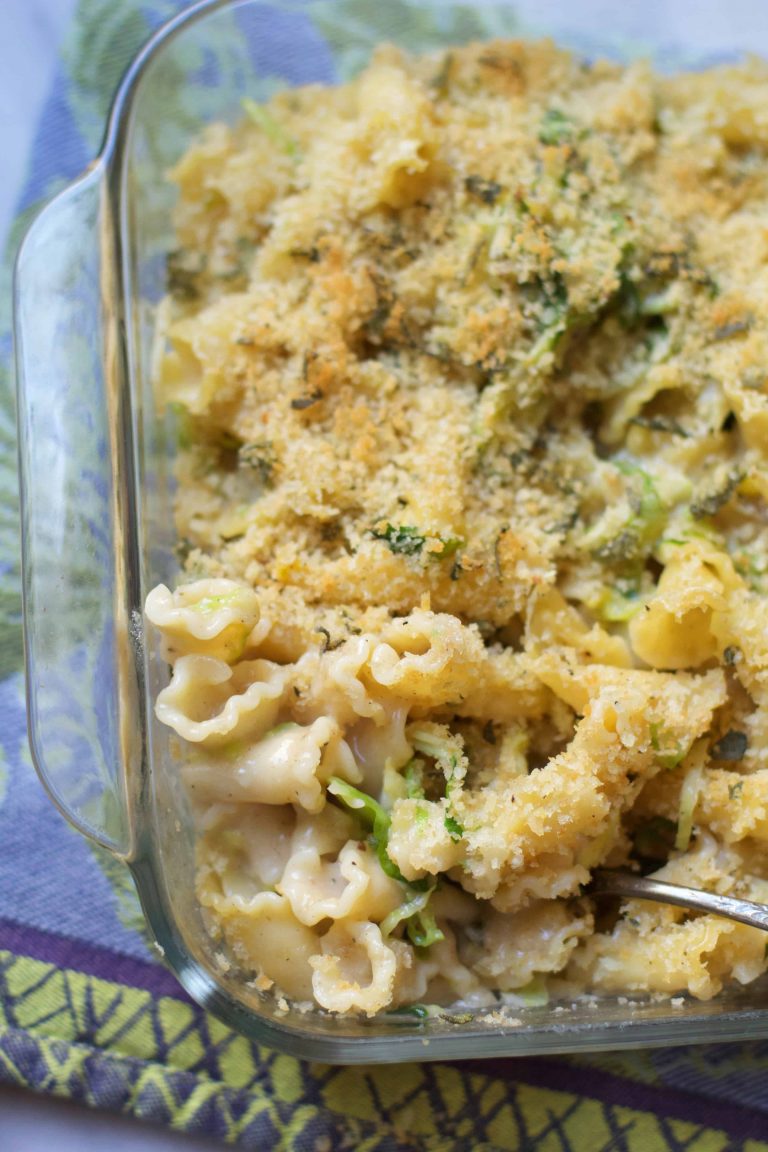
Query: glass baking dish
[{"x": 96, "y": 477}]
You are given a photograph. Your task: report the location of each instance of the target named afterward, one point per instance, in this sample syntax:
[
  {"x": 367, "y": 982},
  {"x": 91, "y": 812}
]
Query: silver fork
[{"x": 606, "y": 881}]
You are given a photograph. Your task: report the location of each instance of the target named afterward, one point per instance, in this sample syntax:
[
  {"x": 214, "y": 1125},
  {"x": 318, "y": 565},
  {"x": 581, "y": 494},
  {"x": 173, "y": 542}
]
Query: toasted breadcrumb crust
[{"x": 478, "y": 345}]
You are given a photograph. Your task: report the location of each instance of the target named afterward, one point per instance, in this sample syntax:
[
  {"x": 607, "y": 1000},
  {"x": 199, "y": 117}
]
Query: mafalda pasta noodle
[{"x": 469, "y": 359}]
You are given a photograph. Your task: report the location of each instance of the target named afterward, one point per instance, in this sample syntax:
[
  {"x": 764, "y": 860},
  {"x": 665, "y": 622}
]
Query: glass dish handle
[{"x": 84, "y": 698}]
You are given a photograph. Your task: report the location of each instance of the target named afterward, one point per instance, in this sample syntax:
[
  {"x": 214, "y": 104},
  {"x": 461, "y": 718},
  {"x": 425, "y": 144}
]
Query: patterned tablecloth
[{"x": 87, "y": 1012}]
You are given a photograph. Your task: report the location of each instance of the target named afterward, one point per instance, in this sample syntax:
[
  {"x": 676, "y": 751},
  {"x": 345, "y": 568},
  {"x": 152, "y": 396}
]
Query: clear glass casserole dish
[{"x": 97, "y": 489}]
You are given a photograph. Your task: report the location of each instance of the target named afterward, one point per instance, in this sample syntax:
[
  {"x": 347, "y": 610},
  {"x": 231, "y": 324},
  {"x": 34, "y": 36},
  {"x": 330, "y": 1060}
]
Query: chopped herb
[
  {"x": 554, "y": 290},
  {"x": 712, "y": 502},
  {"x": 405, "y": 540},
  {"x": 377, "y": 321},
  {"x": 734, "y": 790},
  {"x": 730, "y": 747},
  {"x": 660, "y": 424},
  {"x": 731, "y": 655},
  {"x": 735, "y": 328},
  {"x": 327, "y": 644},
  {"x": 523, "y": 206},
  {"x": 654, "y": 839},
  {"x": 628, "y": 300},
  {"x": 624, "y": 546},
  {"x": 555, "y": 128},
  {"x": 557, "y": 319},
  {"x": 269, "y": 125},
  {"x": 496, "y": 545},
  {"x": 258, "y": 455},
  {"x": 312, "y": 254},
  {"x": 401, "y": 539},
  {"x": 486, "y": 190},
  {"x": 453, "y": 828},
  {"x": 565, "y": 523},
  {"x": 183, "y": 272},
  {"x": 458, "y": 1017},
  {"x": 303, "y": 402},
  {"x": 520, "y": 460}
]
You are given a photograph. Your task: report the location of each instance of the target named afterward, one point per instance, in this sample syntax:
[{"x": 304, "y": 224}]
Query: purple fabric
[
  {"x": 92, "y": 959},
  {"x": 566, "y": 1075}
]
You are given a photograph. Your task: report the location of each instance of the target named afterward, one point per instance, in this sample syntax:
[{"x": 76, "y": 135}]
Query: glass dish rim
[{"x": 542, "y": 1036}]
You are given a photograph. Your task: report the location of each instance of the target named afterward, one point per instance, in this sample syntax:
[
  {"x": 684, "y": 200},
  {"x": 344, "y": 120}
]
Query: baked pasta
[{"x": 469, "y": 366}]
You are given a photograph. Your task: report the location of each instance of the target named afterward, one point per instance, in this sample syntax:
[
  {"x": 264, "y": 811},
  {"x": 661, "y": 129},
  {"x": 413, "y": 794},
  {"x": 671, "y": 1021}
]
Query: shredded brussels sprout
[
  {"x": 667, "y": 756},
  {"x": 420, "y": 924},
  {"x": 372, "y": 813},
  {"x": 534, "y": 994},
  {"x": 274, "y": 131},
  {"x": 689, "y": 797}
]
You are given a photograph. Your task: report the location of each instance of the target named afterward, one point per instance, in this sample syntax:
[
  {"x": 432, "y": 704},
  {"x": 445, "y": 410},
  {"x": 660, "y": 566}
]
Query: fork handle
[{"x": 608, "y": 882}]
